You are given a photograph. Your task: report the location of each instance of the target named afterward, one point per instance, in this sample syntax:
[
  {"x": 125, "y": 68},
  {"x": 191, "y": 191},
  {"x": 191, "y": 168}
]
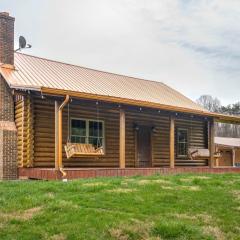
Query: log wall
[
  {"x": 42, "y": 136},
  {"x": 198, "y": 138},
  {"x": 24, "y": 119}
]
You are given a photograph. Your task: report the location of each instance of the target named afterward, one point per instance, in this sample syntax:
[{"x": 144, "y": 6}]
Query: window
[
  {"x": 182, "y": 142},
  {"x": 87, "y": 131}
]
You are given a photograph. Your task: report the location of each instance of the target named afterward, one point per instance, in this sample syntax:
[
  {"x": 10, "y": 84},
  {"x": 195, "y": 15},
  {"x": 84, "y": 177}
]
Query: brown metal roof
[
  {"x": 35, "y": 73},
  {"x": 47, "y": 76}
]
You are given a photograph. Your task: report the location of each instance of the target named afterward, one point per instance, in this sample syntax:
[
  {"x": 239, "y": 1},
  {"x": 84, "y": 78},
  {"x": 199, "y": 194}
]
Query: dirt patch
[
  {"x": 1, "y": 226},
  {"x": 238, "y": 208},
  {"x": 58, "y": 237},
  {"x": 203, "y": 217},
  {"x": 50, "y": 195},
  {"x": 94, "y": 184},
  {"x": 26, "y": 215},
  {"x": 236, "y": 194},
  {"x": 162, "y": 181},
  {"x": 214, "y": 232},
  {"x": 190, "y": 188},
  {"x": 122, "y": 190},
  {"x": 141, "y": 231},
  {"x": 67, "y": 204},
  {"x": 30, "y": 213},
  {"x": 167, "y": 187},
  {"x": 186, "y": 179},
  {"x": 200, "y": 177},
  {"x": 153, "y": 181},
  {"x": 144, "y": 182}
]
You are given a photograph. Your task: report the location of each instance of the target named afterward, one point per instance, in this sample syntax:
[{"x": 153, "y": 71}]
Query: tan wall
[{"x": 237, "y": 159}]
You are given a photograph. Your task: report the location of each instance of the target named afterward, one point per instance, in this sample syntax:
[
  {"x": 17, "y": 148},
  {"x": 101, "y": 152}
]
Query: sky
[{"x": 191, "y": 45}]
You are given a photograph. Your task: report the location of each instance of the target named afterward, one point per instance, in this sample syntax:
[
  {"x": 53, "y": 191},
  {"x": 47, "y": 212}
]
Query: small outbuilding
[{"x": 230, "y": 151}]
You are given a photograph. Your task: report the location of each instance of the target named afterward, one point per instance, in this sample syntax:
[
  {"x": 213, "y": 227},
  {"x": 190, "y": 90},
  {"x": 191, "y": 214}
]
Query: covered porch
[
  {"x": 135, "y": 140},
  {"x": 143, "y": 137}
]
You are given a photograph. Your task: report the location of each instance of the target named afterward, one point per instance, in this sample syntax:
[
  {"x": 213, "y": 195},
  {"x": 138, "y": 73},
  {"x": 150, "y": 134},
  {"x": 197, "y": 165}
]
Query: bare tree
[
  {"x": 214, "y": 105},
  {"x": 210, "y": 103}
]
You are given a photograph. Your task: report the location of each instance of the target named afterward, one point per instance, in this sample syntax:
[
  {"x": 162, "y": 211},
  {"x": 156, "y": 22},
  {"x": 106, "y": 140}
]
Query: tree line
[{"x": 214, "y": 105}]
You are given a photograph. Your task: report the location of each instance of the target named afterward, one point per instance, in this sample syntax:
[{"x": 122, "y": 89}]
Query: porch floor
[{"x": 74, "y": 173}]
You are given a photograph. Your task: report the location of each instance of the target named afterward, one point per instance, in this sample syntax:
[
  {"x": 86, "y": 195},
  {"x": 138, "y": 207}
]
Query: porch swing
[
  {"x": 76, "y": 150},
  {"x": 200, "y": 153}
]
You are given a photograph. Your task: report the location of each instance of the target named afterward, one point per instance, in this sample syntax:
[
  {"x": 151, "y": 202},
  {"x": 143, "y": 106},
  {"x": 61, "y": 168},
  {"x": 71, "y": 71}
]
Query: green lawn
[{"x": 157, "y": 207}]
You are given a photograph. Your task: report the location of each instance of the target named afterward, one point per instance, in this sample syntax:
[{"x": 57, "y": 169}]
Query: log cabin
[{"x": 59, "y": 120}]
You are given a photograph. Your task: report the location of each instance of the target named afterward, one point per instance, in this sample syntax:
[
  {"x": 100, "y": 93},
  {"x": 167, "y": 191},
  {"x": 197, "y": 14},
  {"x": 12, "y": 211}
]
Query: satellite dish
[{"x": 22, "y": 42}]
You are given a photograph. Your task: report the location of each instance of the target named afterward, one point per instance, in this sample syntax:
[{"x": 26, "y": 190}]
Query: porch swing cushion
[
  {"x": 82, "y": 150},
  {"x": 201, "y": 153}
]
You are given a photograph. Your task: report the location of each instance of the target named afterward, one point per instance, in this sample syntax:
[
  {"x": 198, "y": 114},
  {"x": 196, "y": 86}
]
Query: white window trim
[
  {"x": 182, "y": 129},
  {"x": 87, "y": 120}
]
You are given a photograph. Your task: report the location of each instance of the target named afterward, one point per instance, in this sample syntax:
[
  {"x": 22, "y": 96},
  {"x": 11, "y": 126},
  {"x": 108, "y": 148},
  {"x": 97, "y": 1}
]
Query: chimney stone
[
  {"x": 6, "y": 38},
  {"x": 8, "y": 131}
]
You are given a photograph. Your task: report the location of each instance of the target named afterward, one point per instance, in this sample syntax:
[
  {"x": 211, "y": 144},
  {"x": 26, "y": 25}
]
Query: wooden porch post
[
  {"x": 56, "y": 135},
  {"x": 233, "y": 156},
  {"x": 211, "y": 141},
  {"x": 172, "y": 142},
  {"x": 122, "y": 130},
  {"x": 217, "y": 159}
]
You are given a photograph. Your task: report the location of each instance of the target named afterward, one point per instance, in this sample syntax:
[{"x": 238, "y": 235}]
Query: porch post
[
  {"x": 172, "y": 142},
  {"x": 211, "y": 141},
  {"x": 56, "y": 135},
  {"x": 233, "y": 156},
  {"x": 217, "y": 159},
  {"x": 122, "y": 130}
]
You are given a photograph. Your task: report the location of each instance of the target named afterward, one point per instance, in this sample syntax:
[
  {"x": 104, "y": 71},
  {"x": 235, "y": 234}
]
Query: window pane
[
  {"x": 97, "y": 142},
  {"x": 95, "y": 129},
  {"x": 78, "y": 127},
  {"x": 182, "y": 138},
  {"x": 76, "y": 139}
]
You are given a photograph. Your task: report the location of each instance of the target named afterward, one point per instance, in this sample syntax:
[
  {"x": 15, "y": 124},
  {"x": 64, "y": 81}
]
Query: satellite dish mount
[{"x": 23, "y": 44}]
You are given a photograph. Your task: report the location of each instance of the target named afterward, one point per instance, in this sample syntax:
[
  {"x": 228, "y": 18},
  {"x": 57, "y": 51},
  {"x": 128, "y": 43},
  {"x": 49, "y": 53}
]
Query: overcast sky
[{"x": 191, "y": 45}]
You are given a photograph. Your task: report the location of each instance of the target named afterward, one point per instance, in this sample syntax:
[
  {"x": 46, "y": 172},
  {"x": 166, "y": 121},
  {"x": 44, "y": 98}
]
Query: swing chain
[
  {"x": 68, "y": 135},
  {"x": 98, "y": 129}
]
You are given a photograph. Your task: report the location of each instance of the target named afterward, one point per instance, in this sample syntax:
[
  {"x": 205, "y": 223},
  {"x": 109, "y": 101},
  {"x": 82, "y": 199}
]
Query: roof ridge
[{"x": 89, "y": 68}]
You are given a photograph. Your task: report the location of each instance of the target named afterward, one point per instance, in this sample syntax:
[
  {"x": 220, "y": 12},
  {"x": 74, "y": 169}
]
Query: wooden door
[
  {"x": 144, "y": 147},
  {"x": 226, "y": 158}
]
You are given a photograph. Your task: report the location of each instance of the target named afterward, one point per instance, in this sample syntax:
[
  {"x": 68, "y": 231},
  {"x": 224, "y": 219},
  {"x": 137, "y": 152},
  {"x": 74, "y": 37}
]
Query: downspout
[{"x": 60, "y": 165}]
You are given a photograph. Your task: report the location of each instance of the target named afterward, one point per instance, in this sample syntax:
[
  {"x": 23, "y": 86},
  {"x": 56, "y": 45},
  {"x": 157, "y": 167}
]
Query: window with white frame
[
  {"x": 182, "y": 142},
  {"x": 87, "y": 131}
]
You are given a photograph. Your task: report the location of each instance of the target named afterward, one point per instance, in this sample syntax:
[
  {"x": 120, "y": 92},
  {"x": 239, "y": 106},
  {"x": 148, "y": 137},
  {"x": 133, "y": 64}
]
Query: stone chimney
[
  {"x": 8, "y": 133},
  {"x": 6, "y": 38}
]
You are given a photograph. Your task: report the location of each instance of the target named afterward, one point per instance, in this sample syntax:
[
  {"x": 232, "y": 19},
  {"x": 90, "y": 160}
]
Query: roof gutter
[
  {"x": 26, "y": 88},
  {"x": 64, "y": 103}
]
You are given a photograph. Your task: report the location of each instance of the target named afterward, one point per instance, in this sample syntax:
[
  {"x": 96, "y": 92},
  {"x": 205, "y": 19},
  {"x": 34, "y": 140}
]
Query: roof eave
[
  {"x": 25, "y": 87},
  {"x": 119, "y": 100}
]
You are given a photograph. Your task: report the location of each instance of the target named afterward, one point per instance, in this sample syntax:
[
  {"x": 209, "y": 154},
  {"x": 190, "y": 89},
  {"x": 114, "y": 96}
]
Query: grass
[{"x": 153, "y": 208}]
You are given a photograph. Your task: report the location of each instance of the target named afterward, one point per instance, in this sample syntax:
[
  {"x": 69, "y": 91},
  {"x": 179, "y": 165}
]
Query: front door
[{"x": 144, "y": 151}]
